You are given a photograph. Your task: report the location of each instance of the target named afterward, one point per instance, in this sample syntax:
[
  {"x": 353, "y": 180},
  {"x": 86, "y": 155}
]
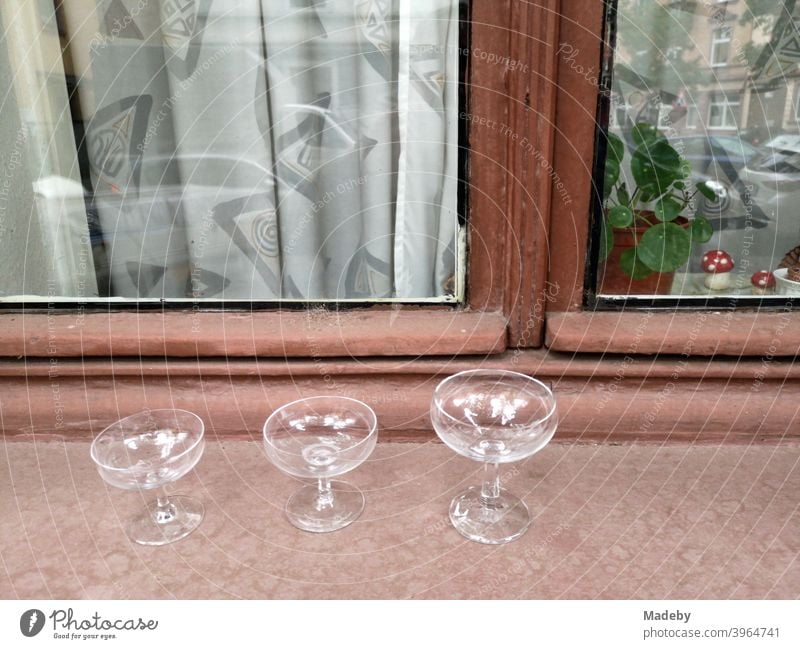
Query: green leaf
[
  {"x": 620, "y": 216},
  {"x": 665, "y": 247},
  {"x": 647, "y": 194},
  {"x": 606, "y": 240},
  {"x": 611, "y": 177},
  {"x": 679, "y": 185},
  {"x": 706, "y": 191},
  {"x": 632, "y": 266},
  {"x": 701, "y": 229},
  {"x": 644, "y": 133},
  {"x": 622, "y": 195},
  {"x": 656, "y": 166},
  {"x": 668, "y": 208},
  {"x": 615, "y": 149}
]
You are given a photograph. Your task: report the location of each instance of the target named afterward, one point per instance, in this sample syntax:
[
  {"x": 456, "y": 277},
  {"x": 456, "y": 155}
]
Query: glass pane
[
  {"x": 250, "y": 150},
  {"x": 703, "y": 154}
]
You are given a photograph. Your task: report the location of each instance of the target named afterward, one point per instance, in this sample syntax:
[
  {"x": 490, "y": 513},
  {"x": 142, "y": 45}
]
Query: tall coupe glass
[{"x": 494, "y": 417}]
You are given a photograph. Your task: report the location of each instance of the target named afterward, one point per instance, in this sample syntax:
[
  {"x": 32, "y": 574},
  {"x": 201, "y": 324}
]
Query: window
[
  {"x": 720, "y": 46},
  {"x": 265, "y": 152},
  {"x": 631, "y": 321},
  {"x": 692, "y": 116},
  {"x": 796, "y": 111},
  {"x": 496, "y": 309},
  {"x": 696, "y": 211},
  {"x": 723, "y": 111}
]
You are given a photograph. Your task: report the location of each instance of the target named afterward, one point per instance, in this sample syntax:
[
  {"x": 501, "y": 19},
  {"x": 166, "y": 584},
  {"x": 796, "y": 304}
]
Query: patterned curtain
[{"x": 269, "y": 149}]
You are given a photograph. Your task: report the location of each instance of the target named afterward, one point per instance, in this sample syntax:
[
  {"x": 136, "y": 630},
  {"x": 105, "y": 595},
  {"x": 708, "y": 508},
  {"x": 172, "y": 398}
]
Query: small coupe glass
[
  {"x": 494, "y": 417},
  {"x": 147, "y": 451},
  {"x": 319, "y": 438}
]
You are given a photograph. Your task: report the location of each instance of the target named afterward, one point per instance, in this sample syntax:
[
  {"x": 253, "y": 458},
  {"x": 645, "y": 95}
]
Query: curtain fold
[
  {"x": 45, "y": 241},
  {"x": 275, "y": 149}
]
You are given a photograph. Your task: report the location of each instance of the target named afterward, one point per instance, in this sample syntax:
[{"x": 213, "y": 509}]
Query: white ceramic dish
[{"x": 784, "y": 286}]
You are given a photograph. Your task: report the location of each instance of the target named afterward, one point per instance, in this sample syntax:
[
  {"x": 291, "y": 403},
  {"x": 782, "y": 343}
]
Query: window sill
[
  {"x": 310, "y": 334},
  {"x": 677, "y": 399},
  {"x": 690, "y": 333}
]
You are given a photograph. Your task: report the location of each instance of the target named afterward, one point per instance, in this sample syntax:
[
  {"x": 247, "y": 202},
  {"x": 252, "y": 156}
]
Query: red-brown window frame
[
  {"x": 70, "y": 374},
  {"x": 571, "y": 327},
  {"x": 513, "y": 92}
]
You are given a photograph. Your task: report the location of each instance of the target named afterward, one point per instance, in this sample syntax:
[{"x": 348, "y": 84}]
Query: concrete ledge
[{"x": 680, "y": 521}]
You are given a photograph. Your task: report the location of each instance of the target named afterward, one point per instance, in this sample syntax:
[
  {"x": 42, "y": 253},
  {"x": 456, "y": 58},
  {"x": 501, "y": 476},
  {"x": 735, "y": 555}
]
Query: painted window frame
[
  {"x": 574, "y": 326},
  {"x": 717, "y": 43},
  {"x": 513, "y": 88}
]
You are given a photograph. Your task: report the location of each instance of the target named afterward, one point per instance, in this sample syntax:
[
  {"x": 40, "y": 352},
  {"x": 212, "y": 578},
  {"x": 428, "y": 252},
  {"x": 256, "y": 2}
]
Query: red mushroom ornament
[
  {"x": 763, "y": 282},
  {"x": 717, "y": 265}
]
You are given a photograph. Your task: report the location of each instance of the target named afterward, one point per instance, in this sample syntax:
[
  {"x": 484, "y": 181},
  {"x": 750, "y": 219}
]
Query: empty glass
[
  {"x": 319, "y": 438},
  {"x": 146, "y": 451},
  {"x": 494, "y": 417}
]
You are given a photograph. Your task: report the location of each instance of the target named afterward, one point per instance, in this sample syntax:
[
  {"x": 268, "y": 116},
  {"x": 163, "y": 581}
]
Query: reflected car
[
  {"x": 774, "y": 177},
  {"x": 704, "y": 151},
  {"x": 756, "y": 217}
]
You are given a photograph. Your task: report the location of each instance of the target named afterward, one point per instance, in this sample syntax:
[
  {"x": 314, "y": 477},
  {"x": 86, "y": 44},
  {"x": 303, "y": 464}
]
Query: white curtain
[
  {"x": 269, "y": 149},
  {"x": 45, "y": 243}
]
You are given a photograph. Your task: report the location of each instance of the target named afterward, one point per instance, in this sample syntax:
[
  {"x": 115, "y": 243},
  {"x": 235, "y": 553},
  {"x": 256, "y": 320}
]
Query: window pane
[
  {"x": 249, "y": 150},
  {"x": 731, "y": 128}
]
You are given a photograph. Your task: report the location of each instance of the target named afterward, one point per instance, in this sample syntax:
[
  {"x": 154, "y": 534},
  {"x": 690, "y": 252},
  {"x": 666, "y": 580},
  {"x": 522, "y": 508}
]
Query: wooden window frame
[
  {"x": 571, "y": 325},
  {"x": 715, "y": 43},
  {"x": 501, "y": 274},
  {"x": 69, "y": 374}
]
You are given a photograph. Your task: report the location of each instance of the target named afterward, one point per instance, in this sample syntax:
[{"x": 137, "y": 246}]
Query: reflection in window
[
  {"x": 723, "y": 111},
  {"x": 214, "y": 150},
  {"x": 720, "y": 46},
  {"x": 703, "y": 151}
]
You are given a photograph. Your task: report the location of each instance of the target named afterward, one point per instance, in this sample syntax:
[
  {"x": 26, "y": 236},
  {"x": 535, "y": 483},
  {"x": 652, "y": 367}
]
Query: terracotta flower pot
[{"x": 613, "y": 280}]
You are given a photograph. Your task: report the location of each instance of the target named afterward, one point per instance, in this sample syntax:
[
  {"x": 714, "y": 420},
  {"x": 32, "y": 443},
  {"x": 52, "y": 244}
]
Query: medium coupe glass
[
  {"x": 146, "y": 451},
  {"x": 319, "y": 438},
  {"x": 494, "y": 417}
]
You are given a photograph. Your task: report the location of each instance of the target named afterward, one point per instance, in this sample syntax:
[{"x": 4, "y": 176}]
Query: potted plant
[{"x": 645, "y": 236}]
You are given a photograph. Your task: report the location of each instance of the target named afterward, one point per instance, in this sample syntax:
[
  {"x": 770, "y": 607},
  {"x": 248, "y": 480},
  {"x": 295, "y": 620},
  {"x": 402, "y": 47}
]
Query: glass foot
[
  {"x": 495, "y": 521},
  {"x": 312, "y": 511},
  {"x": 166, "y": 524}
]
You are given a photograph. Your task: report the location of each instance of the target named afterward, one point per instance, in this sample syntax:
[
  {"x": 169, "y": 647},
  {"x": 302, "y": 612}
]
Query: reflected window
[
  {"x": 723, "y": 111},
  {"x": 720, "y": 46}
]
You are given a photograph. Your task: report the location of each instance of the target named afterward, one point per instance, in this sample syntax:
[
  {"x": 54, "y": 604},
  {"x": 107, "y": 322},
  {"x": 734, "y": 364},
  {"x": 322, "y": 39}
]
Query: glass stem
[
  {"x": 325, "y": 496},
  {"x": 490, "y": 490},
  {"x": 164, "y": 511}
]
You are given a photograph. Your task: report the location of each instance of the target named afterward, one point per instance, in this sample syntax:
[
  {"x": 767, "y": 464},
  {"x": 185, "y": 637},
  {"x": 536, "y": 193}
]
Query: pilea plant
[{"x": 661, "y": 191}]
